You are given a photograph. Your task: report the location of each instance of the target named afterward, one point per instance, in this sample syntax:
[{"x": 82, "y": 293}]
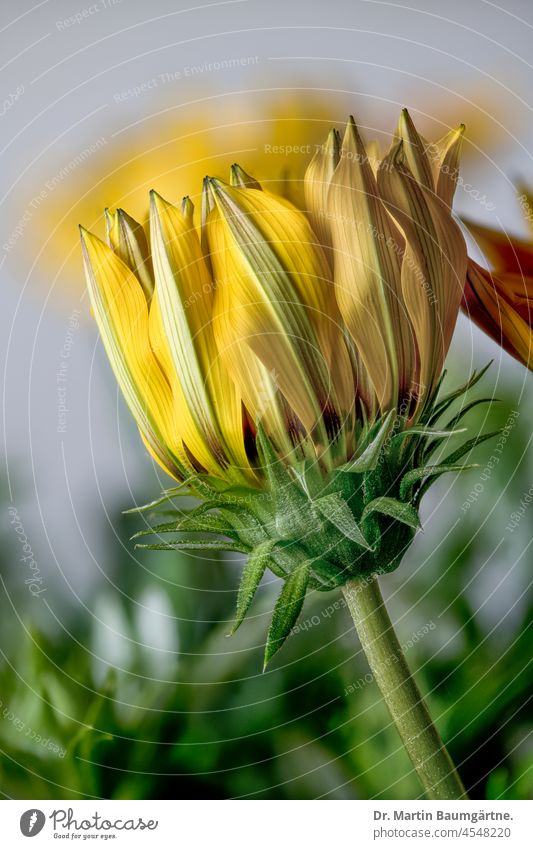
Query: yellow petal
[
  {"x": 128, "y": 239},
  {"x": 367, "y": 249},
  {"x": 444, "y": 156},
  {"x": 433, "y": 266},
  {"x": 207, "y": 402},
  {"x": 373, "y": 154},
  {"x": 414, "y": 151},
  {"x": 273, "y": 294},
  {"x": 316, "y": 185},
  {"x": 121, "y": 312},
  {"x": 260, "y": 393}
]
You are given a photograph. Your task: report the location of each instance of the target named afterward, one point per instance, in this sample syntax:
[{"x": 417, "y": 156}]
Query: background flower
[{"x": 501, "y": 301}]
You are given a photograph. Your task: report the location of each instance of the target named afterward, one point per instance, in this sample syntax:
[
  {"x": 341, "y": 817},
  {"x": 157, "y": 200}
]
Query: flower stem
[{"x": 421, "y": 739}]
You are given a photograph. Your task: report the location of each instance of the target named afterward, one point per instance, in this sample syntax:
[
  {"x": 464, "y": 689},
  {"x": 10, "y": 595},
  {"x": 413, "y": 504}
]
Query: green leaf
[
  {"x": 441, "y": 406},
  {"x": 469, "y": 445},
  {"x": 293, "y": 514},
  {"x": 437, "y": 387},
  {"x": 369, "y": 458},
  {"x": 335, "y": 510},
  {"x": 307, "y": 473},
  {"x": 197, "y": 510},
  {"x": 416, "y": 475},
  {"x": 275, "y": 470},
  {"x": 498, "y": 784},
  {"x": 166, "y": 495},
  {"x": 196, "y": 545},
  {"x": 202, "y": 486},
  {"x": 467, "y": 407},
  {"x": 432, "y": 444},
  {"x": 286, "y": 611},
  {"x": 427, "y": 431},
  {"x": 202, "y": 524},
  {"x": 88, "y": 729},
  {"x": 251, "y": 577},
  {"x": 399, "y": 510},
  {"x": 245, "y": 524},
  {"x": 449, "y": 464}
]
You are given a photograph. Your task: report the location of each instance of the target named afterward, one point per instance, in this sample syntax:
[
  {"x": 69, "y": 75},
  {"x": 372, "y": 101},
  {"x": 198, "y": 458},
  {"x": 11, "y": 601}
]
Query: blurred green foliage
[{"x": 142, "y": 695}]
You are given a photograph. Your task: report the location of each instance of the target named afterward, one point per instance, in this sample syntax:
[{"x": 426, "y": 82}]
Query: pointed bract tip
[
  {"x": 87, "y": 239},
  {"x": 154, "y": 198},
  {"x": 270, "y": 651},
  {"x": 208, "y": 200},
  {"x": 239, "y": 178},
  {"x": 210, "y": 186},
  {"x": 350, "y": 130},
  {"x": 333, "y": 143},
  {"x": 158, "y": 204},
  {"x": 157, "y": 198},
  {"x": 215, "y": 183},
  {"x": 352, "y": 140},
  {"x": 398, "y": 152},
  {"x": 125, "y": 222},
  {"x": 407, "y": 127},
  {"x": 187, "y": 207}
]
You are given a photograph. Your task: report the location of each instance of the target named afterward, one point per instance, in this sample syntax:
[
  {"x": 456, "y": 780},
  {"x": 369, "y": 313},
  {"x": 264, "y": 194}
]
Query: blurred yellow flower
[{"x": 118, "y": 169}]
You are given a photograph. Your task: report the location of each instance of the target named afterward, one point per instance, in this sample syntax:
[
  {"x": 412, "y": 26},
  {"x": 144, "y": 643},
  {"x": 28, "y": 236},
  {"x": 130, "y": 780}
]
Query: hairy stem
[{"x": 421, "y": 739}]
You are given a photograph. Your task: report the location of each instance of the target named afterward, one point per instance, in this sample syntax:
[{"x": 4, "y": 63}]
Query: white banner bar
[{"x": 266, "y": 824}]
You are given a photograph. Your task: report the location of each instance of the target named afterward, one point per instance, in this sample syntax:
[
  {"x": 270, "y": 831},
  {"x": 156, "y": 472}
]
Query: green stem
[{"x": 421, "y": 739}]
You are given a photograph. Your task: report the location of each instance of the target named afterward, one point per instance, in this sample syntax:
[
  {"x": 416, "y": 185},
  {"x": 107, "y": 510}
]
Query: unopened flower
[{"x": 284, "y": 364}]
